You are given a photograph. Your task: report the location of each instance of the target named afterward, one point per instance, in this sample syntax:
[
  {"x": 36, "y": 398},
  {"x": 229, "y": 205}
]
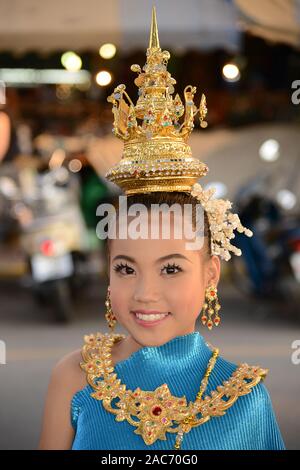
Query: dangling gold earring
[
  {"x": 111, "y": 319},
  {"x": 212, "y": 307}
]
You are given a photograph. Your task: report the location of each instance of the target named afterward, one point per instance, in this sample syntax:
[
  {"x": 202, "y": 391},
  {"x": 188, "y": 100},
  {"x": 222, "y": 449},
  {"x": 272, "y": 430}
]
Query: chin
[{"x": 152, "y": 339}]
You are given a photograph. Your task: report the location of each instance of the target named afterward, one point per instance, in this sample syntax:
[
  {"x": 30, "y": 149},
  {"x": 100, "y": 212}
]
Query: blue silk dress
[{"x": 249, "y": 424}]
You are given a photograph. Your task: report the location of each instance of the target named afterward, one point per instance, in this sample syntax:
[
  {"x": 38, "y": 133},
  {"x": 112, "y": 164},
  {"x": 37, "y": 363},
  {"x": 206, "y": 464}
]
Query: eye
[
  {"x": 119, "y": 268},
  {"x": 171, "y": 267}
]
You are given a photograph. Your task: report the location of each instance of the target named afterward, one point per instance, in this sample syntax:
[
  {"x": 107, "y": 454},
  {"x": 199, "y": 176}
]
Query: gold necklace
[{"x": 156, "y": 410}]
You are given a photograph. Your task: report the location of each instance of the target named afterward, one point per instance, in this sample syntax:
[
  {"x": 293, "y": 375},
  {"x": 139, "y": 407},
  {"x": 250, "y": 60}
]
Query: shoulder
[
  {"x": 71, "y": 368},
  {"x": 241, "y": 370},
  {"x": 4, "y": 119},
  {"x": 67, "y": 373},
  {"x": 243, "y": 380},
  {"x": 68, "y": 362},
  {"x": 65, "y": 381},
  {"x": 246, "y": 384}
]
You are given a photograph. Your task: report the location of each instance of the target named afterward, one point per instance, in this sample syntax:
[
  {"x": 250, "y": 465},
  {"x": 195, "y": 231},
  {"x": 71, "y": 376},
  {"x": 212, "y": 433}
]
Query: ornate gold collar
[{"x": 155, "y": 411}]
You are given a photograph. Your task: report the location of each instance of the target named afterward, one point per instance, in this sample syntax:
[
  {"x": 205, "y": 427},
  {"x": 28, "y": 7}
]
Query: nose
[{"x": 146, "y": 291}]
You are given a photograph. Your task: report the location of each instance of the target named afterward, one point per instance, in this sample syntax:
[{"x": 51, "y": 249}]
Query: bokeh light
[
  {"x": 107, "y": 51},
  {"x": 103, "y": 78}
]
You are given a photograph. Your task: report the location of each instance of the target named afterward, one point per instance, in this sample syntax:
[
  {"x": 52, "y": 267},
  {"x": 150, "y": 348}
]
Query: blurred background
[{"x": 59, "y": 61}]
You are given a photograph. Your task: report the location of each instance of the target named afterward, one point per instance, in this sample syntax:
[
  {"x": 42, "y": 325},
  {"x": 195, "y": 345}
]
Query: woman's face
[{"x": 159, "y": 275}]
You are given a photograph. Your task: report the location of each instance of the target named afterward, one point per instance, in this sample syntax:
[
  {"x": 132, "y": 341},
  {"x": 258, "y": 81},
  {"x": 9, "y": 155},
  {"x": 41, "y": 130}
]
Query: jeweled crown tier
[{"x": 156, "y": 154}]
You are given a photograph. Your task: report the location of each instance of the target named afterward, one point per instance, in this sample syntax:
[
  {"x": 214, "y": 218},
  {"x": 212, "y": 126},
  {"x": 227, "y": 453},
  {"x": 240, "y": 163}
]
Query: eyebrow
[{"x": 163, "y": 258}]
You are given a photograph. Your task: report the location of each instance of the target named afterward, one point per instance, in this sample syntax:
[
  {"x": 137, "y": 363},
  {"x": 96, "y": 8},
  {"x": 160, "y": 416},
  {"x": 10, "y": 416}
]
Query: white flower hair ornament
[{"x": 222, "y": 222}]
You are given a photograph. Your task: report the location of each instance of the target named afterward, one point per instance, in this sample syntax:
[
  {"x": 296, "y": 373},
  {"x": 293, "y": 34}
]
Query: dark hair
[{"x": 169, "y": 198}]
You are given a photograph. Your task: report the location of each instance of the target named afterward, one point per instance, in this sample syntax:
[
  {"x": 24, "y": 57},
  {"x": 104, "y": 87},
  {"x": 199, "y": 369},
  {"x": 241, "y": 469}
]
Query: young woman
[
  {"x": 160, "y": 276},
  {"x": 160, "y": 386}
]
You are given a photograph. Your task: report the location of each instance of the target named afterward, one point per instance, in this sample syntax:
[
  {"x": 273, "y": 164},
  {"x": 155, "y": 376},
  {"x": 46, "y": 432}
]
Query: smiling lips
[{"x": 149, "y": 315}]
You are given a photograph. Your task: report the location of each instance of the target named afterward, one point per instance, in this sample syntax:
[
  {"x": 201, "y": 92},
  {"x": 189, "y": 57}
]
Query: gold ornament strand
[
  {"x": 155, "y": 411},
  {"x": 185, "y": 427}
]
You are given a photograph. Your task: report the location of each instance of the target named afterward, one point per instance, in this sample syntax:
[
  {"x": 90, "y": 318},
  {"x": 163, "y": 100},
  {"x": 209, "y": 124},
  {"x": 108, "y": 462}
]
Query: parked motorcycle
[{"x": 53, "y": 235}]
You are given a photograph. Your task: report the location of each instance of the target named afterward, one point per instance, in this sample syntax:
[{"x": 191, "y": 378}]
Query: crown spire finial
[{"x": 154, "y": 39}]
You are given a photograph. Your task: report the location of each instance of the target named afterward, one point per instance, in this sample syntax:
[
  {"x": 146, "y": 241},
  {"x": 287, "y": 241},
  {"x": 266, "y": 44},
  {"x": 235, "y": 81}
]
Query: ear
[{"x": 212, "y": 271}]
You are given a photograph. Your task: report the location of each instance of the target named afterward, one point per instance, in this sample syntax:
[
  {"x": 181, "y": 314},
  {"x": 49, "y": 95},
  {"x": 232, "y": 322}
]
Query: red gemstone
[
  {"x": 212, "y": 293},
  {"x": 209, "y": 325},
  {"x": 216, "y": 321},
  {"x": 156, "y": 411}
]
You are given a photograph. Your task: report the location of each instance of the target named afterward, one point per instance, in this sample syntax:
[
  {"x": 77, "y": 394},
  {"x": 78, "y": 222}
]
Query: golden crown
[{"x": 156, "y": 154}]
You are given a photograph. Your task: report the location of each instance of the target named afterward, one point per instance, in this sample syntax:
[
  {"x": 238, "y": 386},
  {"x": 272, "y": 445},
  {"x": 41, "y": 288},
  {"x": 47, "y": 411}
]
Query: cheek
[
  {"x": 188, "y": 296},
  {"x": 120, "y": 296},
  {"x": 194, "y": 298}
]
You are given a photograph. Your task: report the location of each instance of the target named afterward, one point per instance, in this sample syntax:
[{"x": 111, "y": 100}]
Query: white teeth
[{"x": 152, "y": 317}]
